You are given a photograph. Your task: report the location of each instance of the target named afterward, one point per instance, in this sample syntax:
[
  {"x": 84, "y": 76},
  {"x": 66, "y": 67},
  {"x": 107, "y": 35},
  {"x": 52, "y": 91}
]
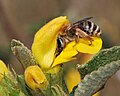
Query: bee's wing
[{"x": 85, "y": 19}]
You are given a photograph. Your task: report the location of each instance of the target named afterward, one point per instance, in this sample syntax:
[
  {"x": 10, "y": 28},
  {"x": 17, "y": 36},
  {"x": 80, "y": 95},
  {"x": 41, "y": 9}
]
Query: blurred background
[{"x": 20, "y": 19}]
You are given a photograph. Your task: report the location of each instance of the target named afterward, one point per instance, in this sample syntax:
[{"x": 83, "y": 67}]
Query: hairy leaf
[
  {"x": 104, "y": 57},
  {"x": 96, "y": 79}
]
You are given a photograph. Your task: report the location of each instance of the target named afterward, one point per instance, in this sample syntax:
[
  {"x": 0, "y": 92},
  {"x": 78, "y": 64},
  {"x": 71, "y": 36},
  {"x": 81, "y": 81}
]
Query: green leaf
[
  {"x": 22, "y": 85},
  {"x": 104, "y": 57},
  {"x": 54, "y": 79},
  {"x": 9, "y": 86},
  {"x": 96, "y": 79},
  {"x": 57, "y": 91}
]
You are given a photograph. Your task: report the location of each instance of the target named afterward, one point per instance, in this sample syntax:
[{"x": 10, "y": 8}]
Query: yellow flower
[
  {"x": 3, "y": 69},
  {"x": 45, "y": 41},
  {"x": 35, "y": 78}
]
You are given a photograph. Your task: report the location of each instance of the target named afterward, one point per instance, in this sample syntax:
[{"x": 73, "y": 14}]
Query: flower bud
[{"x": 35, "y": 78}]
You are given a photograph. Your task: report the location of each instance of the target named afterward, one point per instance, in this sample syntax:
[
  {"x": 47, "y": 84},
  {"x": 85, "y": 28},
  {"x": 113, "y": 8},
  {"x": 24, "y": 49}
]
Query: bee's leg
[
  {"x": 90, "y": 39},
  {"x": 76, "y": 38},
  {"x": 81, "y": 34},
  {"x": 90, "y": 43}
]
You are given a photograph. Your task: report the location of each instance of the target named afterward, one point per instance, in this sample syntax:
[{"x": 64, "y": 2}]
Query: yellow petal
[
  {"x": 84, "y": 47},
  {"x": 44, "y": 44},
  {"x": 3, "y": 69},
  {"x": 35, "y": 78},
  {"x": 72, "y": 78},
  {"x": 66, "y": 55}
]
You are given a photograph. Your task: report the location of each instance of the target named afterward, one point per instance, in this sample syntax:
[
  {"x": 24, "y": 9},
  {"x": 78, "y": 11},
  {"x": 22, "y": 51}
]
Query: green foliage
[
  {"x": 9, "y": 86},
  {"x": 58, "y": 91},
  {"x": 55, "y": 83},
  {"x": 22, "y": 85}
]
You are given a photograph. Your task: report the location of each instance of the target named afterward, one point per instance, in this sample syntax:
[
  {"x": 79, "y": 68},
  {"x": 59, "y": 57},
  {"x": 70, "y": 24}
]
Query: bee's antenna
[{"x": 87, "y": 18}]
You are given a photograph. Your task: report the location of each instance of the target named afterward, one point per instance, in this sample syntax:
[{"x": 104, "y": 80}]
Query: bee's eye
[{"x": 82, "y": 25}]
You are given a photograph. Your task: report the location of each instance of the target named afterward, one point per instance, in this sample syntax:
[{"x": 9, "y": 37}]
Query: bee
[{"x": 81, "y": 29}]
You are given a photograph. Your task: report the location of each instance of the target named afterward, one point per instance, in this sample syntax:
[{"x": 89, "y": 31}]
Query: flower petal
[
  {"x": 44, "y": 44},
  {"x": 35, "y": 78},
  {"x": 72, "y": 78},
  {"x": 3, "y": 69},
  {"x": 66, "y": 55},
  {"x": 84, "y": 47}
]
